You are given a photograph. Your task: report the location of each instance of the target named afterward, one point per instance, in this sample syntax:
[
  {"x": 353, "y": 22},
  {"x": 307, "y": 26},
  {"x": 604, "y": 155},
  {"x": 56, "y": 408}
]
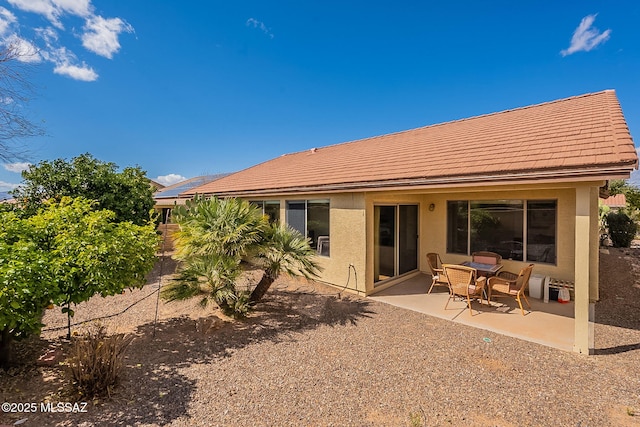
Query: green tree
[
  {"x": 216, "y": 235},
  {"x": 65, "y": 254},
  {"x": 622, "y": 229},
  {"x": 127, "y": 193},
  {"x": 631, "y": 193},
  {"x": 26, "y": 284}
]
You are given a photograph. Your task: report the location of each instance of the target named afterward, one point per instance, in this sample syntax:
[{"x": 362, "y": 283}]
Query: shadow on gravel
[
  {"x": 619, "y": 302},
  {"x": 278, "y": 318},
  {"x": 156, "y": 391}
]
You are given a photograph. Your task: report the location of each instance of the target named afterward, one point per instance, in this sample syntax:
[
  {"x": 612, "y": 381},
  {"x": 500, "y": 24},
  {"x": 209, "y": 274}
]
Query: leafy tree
[
  {"x": 65, "y": 254},
  {"x": 127, "y": 193},
  {"x": 216, "y": 235},
  {"x": 26, "y": 284},
  {"x": 631, "y": 193},
  {"x": 15, "y": 93},
  {"x": 622, "y": 229}
]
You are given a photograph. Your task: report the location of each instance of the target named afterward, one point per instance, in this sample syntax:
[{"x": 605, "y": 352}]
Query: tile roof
[
  {"x": 585, "y": 135},
  {"x": 617, "y": 201}
]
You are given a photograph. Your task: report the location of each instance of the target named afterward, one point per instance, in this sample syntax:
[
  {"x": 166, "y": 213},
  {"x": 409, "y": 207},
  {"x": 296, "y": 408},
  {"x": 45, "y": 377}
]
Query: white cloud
[
  {"x": 17, "y": 167},
  {"x": 77, "y": 72},
  {"x": 80, "y": 8},
  {"x": 66, "y": 62},
  {"x": 170, "y": 179},
  {"x": 586, "y": 37},
  {"x": 252, "y": 22},
  {"x": 8, "y": 186},
  {"x": 101, "y": 35},
  {"x": 53, "y": 10},
  {"x": 41, "y": 7},
  {"x": 25, "y": 50},
  {"x": 7, "y": 20}
]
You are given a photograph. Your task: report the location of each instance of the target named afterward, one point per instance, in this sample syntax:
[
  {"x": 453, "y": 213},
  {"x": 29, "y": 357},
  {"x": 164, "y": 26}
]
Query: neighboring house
[
  {"x": 523, "y": 183},
  {"x": 615, "y": 203},
  {"x": 168, "y": 197},
  {"x": 155, "y": 185}
]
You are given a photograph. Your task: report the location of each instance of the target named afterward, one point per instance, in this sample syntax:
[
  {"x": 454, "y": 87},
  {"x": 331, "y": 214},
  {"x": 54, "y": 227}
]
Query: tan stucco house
[{"x": 523, "y": 183}]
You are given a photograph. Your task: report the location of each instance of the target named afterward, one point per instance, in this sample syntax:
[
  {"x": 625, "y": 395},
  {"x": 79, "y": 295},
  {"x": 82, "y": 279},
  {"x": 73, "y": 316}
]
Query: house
[
  {"x": 522, "y": 182},
  {"x": 615, "y": 203},
  {"x": 165, "y": 198}
]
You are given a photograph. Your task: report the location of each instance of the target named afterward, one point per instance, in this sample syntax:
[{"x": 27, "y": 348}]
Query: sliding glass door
[{"x": 395, "y": 240}]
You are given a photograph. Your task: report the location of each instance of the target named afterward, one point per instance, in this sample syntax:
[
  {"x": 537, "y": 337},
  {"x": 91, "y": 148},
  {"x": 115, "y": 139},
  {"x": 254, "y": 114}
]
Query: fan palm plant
[
  {"x": 215, "y": 235},
  {"x": 283, "y": 250}
]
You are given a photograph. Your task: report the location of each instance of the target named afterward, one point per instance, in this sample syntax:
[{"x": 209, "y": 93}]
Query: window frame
[{"x": 314, "y": 241}]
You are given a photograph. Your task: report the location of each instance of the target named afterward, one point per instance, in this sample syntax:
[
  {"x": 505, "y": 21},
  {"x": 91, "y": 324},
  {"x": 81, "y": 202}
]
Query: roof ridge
[{"x": 466, "y": 119}]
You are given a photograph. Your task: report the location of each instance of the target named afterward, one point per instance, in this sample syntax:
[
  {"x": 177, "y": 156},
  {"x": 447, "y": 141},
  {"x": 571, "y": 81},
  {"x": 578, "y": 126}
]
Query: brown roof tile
[{"x": 581, "y": 133}]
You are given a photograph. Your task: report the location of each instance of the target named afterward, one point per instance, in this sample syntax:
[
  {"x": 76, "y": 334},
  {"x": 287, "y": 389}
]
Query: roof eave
[{"x": 542, "y": 176}]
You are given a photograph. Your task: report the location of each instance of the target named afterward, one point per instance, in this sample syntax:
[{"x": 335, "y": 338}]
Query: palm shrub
[
  {"x": 622, "y": 229},
  {"x": 283, "y": 250},
  {"x": 215, "y": 236}
]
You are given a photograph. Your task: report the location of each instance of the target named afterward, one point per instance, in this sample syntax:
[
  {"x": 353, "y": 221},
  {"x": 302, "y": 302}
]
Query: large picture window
[
  {"x": 311, "y": 218},
  {"x": 516, "y": 229}
]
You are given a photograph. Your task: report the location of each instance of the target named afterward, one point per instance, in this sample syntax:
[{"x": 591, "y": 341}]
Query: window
[
  {"x": 541, "y": 231},
  {"x": 270, "y": 208},
  {"x": 496, "y": 226},
  {"x": 457, "y": 227},
  {"x": 311, "y": 218},
  {"x": 516, "y": 229}
]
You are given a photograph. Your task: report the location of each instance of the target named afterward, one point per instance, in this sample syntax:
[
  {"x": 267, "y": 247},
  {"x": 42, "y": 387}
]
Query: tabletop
[{"x": 483, "y": 268}]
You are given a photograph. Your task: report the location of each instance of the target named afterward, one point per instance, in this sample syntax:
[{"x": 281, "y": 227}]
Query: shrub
[
  {"x": 622, "y": 229},
  {"x": 96, "y": 361}
]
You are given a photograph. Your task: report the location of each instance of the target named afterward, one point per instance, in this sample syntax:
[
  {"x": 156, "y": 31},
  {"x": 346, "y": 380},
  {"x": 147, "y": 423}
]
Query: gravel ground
[{"x": 312, "y": 358}]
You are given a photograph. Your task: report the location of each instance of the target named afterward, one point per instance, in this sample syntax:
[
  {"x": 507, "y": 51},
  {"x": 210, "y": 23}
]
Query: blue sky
[{"x": 200, "y": 87}]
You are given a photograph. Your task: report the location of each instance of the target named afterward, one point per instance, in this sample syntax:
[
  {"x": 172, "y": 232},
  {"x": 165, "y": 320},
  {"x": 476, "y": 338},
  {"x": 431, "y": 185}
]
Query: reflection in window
[
  {"x": 496, "y": 226},
  {"x": 499, "y": 226},
  {"x": 458, "y": 227},
  {"x": 541, "y": 231},
  {"x": 270, "y": 208},
  {"x": 311, "y": 218}
]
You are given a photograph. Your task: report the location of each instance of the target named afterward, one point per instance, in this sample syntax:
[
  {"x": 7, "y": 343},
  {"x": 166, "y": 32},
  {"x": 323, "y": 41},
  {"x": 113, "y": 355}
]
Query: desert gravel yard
[{"x": 309, "y": 357}]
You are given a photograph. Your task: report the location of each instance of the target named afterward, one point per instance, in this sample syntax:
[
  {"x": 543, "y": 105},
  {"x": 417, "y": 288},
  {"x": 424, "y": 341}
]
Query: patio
[{"x": 550, "y": 324}]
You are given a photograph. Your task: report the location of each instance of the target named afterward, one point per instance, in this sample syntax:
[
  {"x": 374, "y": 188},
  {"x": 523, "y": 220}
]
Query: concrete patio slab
[{"x": 549, "y": 324}]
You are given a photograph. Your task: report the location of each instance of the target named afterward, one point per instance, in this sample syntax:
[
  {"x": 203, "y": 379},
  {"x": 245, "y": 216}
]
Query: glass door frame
[{"x": 396, "y": 243}]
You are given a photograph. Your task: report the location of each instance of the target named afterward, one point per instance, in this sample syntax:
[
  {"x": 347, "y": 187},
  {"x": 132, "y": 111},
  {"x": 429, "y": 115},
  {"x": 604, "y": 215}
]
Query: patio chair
[
  {"x": 511, "y": 285},
  {"x": 463, "y": 282},
  {"x": 437, "y": 274},
  {"x": 486, "y": 257}
]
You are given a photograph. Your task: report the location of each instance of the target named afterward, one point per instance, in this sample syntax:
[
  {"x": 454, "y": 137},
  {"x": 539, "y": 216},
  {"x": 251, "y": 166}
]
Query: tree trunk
[
  {"x": 262, "y": 288},
  {"x": 5, "y": 348}
]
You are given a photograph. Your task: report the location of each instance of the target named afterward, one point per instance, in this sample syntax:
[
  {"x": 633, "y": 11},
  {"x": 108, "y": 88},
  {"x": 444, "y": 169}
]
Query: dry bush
[{"x": 96, "y": 361}]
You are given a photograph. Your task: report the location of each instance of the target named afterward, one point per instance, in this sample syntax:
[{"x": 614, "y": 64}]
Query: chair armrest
[{"x": 495, "y": 280}]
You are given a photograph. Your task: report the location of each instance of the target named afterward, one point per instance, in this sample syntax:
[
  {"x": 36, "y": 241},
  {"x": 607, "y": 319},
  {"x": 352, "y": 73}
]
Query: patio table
[{"x": 486, "y": 270}]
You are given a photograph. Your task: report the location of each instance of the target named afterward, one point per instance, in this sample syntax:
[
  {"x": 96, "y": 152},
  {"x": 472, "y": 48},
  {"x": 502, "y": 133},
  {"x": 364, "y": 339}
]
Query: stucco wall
[
  {"x": 434, "y": 239},
  {"x": 352, "y": 230},
  {"x": 347, "y": 238},
  {"x": 433, "y": 226}
]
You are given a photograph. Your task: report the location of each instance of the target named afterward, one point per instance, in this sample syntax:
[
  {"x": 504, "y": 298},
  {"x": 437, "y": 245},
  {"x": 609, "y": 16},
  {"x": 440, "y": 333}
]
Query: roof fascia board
[{"x": 537, "y": 178}]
